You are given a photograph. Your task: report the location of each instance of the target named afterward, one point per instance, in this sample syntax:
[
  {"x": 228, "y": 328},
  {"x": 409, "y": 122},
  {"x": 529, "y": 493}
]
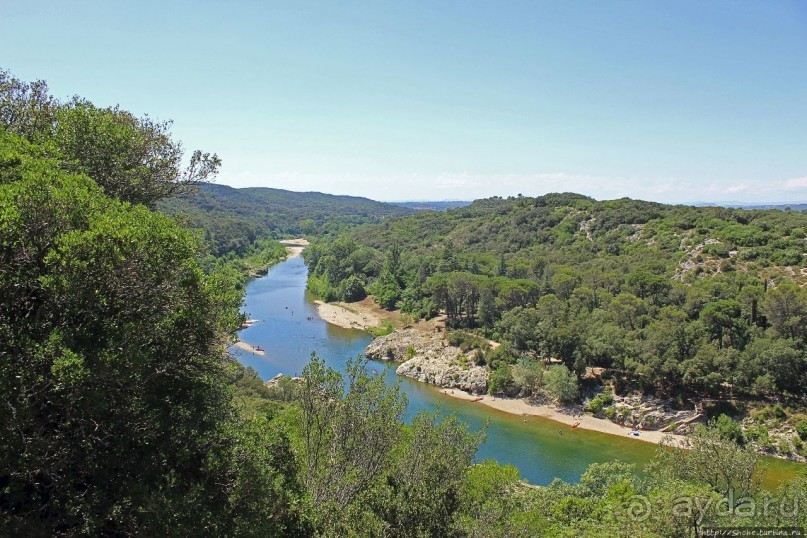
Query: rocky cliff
[{"x": 427, "y": 357}]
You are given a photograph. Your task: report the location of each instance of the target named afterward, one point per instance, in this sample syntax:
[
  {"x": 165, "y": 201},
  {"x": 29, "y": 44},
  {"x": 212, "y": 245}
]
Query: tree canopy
[{"x": 676, "y": 297}]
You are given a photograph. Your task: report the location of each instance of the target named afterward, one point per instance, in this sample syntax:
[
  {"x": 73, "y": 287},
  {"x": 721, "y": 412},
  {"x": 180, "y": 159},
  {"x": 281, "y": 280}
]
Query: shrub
[
  {"x": 527, "y": 375},
  {"x": 455, "y": 338},
  {"x": 760, "y": 435},
  {"x": 595, "y": 405},
  {"x": 601, "y": 401},
  {"x": 500, "y": 380},
  {"x": 801, "y": 429},
  {"x": 466, "y": 341},
  {"x": 729, "y": 429},
  {"x": 561, "y": 383},
  {"x": 718, "y": 250},
  {"x": 386, "y": 328}
]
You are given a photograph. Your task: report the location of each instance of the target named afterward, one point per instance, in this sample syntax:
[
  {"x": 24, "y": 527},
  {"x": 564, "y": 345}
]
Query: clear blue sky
[{"x": 668, "y": 101}]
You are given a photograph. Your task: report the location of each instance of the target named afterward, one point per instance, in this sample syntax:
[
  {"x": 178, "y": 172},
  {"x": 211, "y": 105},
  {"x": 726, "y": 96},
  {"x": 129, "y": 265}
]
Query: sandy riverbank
[
  {"x": 349, "y": 317},
  {"x": 247, "y": 347},
  {"x": 523, "y": 408},
  {"x": 294, "y": 246}
]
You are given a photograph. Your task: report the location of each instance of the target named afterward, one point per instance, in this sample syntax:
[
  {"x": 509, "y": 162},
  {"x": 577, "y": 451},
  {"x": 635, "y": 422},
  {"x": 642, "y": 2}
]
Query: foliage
[
  {"x": 528, "y": 375},
  {"x": 119, "y": 414},
  {"x": 561, "y": 383},
  {"x": 712, "y": 459},
  {"x": 347, "y": 431},
  {"x": 132, "y": 159},
  {"x": 600, "y": 401},
  {"x": 384, "y": 329},
  {"x": 364, "y": 473},
  {"x": 801, "y": 429},
  {"x": 500, "y": 380},
  {"x": 683, "y": 299},
  {"x": 424, "y": 484},
  {"x": 729, "y": 429}
]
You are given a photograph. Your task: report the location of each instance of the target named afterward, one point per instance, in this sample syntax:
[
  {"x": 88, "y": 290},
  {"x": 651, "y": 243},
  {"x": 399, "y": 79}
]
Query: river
[{"x": 289, "y": 330}]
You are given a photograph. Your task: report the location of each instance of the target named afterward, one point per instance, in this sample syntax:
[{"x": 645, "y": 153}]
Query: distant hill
[
  {"x": 232, "y": 218},
  {"x": 433, "y": 206},
  {"x": 781, "y": 206},
  {"x": 576, "y": 230}
]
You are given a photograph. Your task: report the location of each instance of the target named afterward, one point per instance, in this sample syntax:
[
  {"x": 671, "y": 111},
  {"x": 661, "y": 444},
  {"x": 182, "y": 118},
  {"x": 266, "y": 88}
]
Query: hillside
[
  {"x": 233, "y": 218},
  {"x": 530, "y": 237},
  {"x": 433, "y": 206},
  {"x": 687, "y": 302}
]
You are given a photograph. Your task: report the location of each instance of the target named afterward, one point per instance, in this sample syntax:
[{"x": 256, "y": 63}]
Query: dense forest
[
  {"x": 232, "y": 219},
  {"x": 122, "y": 413},
  {"x": 676, "y": 300}
]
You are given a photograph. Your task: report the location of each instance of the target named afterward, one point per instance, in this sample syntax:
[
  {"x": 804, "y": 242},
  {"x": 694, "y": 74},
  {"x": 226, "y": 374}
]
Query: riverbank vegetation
[
  {"x": 684, "y": 303},
  {"x": 420, "y": 480}
]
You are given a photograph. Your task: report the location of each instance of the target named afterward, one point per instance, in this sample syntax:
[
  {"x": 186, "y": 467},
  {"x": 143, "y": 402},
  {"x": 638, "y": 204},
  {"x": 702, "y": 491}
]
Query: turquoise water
[{"x": 290, "y": 330}]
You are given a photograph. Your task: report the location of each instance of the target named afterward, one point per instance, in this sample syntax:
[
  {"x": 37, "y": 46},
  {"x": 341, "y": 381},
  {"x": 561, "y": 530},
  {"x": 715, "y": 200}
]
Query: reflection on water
[{"x": 290, "y": 330}]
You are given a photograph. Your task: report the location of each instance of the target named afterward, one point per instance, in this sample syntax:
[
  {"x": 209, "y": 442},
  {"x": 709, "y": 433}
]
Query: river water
[{"x": 290, "y": 330}]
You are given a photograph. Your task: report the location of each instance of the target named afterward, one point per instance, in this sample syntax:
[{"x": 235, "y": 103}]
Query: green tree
[
  {"x": 353, "y": 289},
  {"x": 722, "y": 318},
  {"x": 564, "y": 282},
  {"x": 26, "y": 109},
  {"x": 711, "y": 459},
  {"x": 486, "y": 312},
  {"x": 424, "y": 485},
  {"x": 786, "y": 309},
  {"x": 500, "y": 380},
  {"x": 519, "y": 327},
  {"x": 779, "y": 359},
  {"x": 118, "y": 415},
  {"x": 561, "y": 383},
  {"x": 133, "y": 159},
  {"x": 729, "y": 429},
  {"x": 627, "y": 310},
  {"x": 487, "y": 499},
  {"x": 348, "y": 429},
  {"x": 386, "y": 290}
]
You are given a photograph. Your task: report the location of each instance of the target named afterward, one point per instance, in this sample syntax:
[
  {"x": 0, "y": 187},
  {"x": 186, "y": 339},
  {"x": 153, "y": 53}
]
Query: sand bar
[
  {"x": 353, "y": 318},
  {"x": 587, "y": 422},
  {"x": 247, "y": 347},
  {"x": 294, "y": 247}
]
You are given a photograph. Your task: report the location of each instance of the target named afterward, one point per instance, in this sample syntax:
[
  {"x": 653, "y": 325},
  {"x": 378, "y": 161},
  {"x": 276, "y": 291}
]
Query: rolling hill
[{"x": 232, "y": 218}]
